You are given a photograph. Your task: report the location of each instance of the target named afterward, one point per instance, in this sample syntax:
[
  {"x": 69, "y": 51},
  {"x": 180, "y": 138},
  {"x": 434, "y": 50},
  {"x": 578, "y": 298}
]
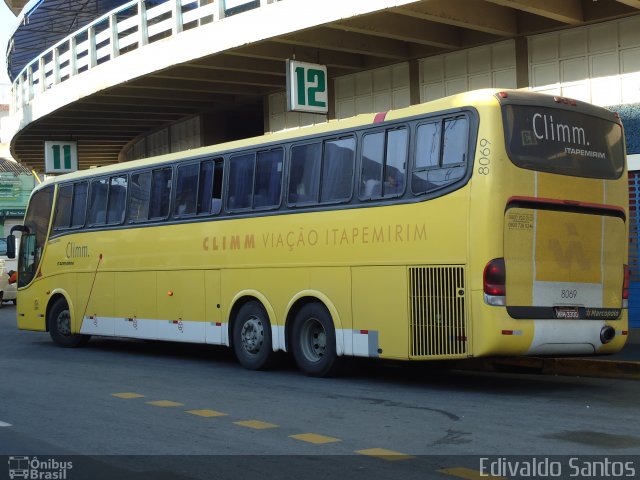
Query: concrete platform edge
[{"x": 576, "y": 367}]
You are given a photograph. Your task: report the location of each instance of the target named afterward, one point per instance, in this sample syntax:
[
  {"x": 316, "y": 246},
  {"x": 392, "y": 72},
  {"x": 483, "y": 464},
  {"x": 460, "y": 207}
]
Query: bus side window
[
  {"x": 304, "y": 174},
  {"x": 117, "y": 199},
  {"x": 268, "y": 181},
  {"x": 427, "y": 156},
  {"x": 79, "y": 206},
  {"x": 337, "y": 170},
  {"x": 440, "y": 154},
  {"x": 395, "y": 162},
  {"x": 241, "y": 172},
  {"x": 384, "y": 162},
  {"x": 205, "y": 187},
  {"x": 71, "y": 205},
  {"x": 98, "y": 202},
  {"x": 372, "y": 165},
  {"x": 63, "y": 207},
  {"x": 456, "y": 134},
  {"x": 160, "y": 196},
  {"x": 139, "y": 197},
  {"x": 186, "y": 189},
  {"x": 216, "y": 195},
  {"x": 428, "y": 145}
]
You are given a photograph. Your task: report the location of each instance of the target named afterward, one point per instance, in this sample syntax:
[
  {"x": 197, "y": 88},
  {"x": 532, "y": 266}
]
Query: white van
[{"x": 8, "y": 291}]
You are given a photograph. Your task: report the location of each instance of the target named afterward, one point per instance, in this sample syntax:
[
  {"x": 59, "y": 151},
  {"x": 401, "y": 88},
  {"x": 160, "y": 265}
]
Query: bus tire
[
  {"x": 252, "y": 337},
  {"x": 60, "y": 326},
  {"x": 313, "y": 341}
]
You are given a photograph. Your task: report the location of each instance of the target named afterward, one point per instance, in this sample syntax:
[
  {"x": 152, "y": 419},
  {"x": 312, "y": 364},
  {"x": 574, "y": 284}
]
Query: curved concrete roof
[
  {"x": 41, "y": 23},
  {"x": 219, "y": 66}
]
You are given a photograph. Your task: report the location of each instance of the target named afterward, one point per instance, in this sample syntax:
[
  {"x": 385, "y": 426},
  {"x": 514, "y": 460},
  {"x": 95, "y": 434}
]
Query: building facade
[{"x": 16, "y": 184}]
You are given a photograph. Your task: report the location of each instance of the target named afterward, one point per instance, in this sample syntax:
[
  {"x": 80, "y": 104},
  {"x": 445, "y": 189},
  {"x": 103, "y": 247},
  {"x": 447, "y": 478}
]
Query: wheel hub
[
  {"x": 63, "y": 323},
  {"x": 314, "y": 340},
  {"x": 252, "y": 334}
]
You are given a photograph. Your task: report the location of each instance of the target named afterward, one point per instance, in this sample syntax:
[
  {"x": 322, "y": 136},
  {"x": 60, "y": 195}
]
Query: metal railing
[{"x": 124, "y": 29}]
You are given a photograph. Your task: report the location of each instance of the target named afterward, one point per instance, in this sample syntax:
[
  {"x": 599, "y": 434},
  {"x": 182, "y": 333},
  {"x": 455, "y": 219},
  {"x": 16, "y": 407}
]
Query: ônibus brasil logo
[{"x": 34, "y": 469}]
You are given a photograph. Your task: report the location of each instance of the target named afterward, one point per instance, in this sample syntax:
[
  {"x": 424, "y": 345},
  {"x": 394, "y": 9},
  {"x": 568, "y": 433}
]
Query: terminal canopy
[{"x": 42, "y": 23}]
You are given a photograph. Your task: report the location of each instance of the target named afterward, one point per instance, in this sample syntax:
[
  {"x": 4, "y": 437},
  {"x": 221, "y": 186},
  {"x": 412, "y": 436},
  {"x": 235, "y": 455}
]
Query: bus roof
[{"x": 476, "y": 97}]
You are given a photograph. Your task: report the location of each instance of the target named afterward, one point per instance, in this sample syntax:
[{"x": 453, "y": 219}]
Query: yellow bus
[{"x": 490, "y": 223}]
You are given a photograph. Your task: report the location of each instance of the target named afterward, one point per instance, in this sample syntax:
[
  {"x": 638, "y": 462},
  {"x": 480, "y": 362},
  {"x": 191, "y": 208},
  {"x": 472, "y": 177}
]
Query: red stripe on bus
[
  {"x": 570, "y": 203},
  {"x": 507, "y": 332},
  {"x": 379, "y": 118}
]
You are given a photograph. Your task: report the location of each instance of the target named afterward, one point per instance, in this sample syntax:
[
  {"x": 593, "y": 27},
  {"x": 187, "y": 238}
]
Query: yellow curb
[
  {"x": 585, "y": 367},
  {"x": 127, "y": 395},
  {"x": 165, "y": 403},
  {"x": 206, "y": 413},
  {"x": 314, "y": 438},
  {"x": 256, "y": 424},
  {"x": 467, "y": 473},
  {"x": 384, "y": 454}
]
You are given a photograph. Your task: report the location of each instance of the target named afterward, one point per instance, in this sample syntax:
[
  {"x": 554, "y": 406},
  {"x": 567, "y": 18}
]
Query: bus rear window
[{"x": 563, "y": 142}]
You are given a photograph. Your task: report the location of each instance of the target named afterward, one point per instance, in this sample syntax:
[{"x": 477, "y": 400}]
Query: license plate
[{"x": 567, "y": 313}]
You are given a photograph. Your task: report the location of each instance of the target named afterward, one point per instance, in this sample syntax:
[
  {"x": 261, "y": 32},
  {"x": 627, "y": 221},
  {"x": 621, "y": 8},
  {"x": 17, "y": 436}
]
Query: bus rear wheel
[
  {"x": 252, "y": 337},
  {"x": 60, "y": 326},
  {"x": 314, "y": 341}
]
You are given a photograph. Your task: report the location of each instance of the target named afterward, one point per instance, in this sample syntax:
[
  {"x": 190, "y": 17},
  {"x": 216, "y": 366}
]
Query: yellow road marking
[
  {"x": 385, "y": 454},
  {"x": 165, "y": 403},
  {"x": 467, "y": 473},
  {"x": 127, "y": 395},
  {"x": 257, "y": 424},
  {"x": 207, "y": 413},
  {"x": 314, "y": 438}
]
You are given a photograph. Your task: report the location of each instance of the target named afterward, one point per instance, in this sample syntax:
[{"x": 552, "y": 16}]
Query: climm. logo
[
  {"x": 77, "y": 251},
  {"x": 544, "y": 128}
]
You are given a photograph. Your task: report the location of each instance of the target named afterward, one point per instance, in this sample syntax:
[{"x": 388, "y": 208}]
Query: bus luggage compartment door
[{"x": 563, "y": 264}]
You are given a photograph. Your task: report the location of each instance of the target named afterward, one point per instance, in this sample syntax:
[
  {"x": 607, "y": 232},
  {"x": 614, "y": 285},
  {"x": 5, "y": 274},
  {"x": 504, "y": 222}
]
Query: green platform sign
[
  {"x": 60, "y": 157},
  {"x": 307, "y": 87}
]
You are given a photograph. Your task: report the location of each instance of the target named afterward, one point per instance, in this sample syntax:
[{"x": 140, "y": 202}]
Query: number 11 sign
[{"x": 306, "y": 87}]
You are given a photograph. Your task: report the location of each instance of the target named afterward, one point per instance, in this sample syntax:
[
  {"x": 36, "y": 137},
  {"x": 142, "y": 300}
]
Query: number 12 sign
[{"x": 306, "y": 87}]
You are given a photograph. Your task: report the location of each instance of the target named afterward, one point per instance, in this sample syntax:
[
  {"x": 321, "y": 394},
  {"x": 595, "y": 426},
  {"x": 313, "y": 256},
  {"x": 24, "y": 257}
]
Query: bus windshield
[
  {"x": 563, "y": 142},
  {"x": 33, "y": 239}
]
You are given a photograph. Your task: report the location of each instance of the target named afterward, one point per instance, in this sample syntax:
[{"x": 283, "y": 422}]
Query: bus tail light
[
  {"x": 494, "y": 283},
  {"x": 625, "y": 288}
]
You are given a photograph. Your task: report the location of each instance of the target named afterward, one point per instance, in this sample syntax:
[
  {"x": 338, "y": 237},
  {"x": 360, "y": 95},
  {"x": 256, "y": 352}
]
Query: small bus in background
[{"x": 489, "y": 223}]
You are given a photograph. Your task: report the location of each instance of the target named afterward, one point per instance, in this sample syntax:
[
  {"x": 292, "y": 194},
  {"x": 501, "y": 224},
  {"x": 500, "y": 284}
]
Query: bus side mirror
[
  {"x": 11, "y": 246},
  {"x": 11, "y": 240}
]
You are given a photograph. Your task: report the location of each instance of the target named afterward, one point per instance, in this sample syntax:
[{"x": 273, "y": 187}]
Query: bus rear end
[{"x": 560, "y": 286}]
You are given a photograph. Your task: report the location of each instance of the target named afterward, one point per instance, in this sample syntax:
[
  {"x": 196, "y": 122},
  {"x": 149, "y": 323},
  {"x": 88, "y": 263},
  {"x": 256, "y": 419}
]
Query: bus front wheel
[
  {"x": 252, "y": 337},
  {"x": 314, "y": 341},
  {"x": 60, "y": 326}
]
